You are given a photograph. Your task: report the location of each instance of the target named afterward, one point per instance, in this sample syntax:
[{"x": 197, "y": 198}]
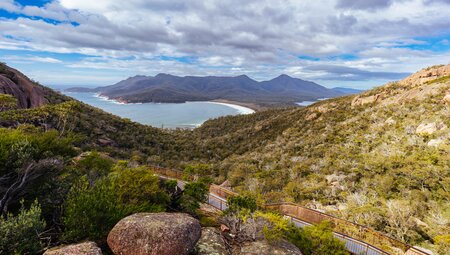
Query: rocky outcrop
[
  {"x": 155, "y": 234},
  {"x": 264, "y": 248},
  {"x": 418, "y": 86},
  {"x": 85, "y": 248},
  {"x": 430, "y": 128},
  {"x": 211, "y": 243},
  {"x": 426, "y": 75},
  {"x": 362, "y": 100},
  {"x": 27, "y": 93}
]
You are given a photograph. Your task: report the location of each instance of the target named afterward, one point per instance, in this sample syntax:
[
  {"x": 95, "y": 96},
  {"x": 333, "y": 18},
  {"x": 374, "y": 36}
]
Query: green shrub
[
  {"x": 316, "y": 239},
  {"x": 94, "y": 165},
  {"x": 443, "y": 243},
  {"x": 277, "y": 227},
  {"x": 238, "y": 203},
  {"x": 138, "y": 189},
  {"x": 19, "y": 234},
  {"x": 194, "y": 193},
  {"x": 91, "y": 211}
]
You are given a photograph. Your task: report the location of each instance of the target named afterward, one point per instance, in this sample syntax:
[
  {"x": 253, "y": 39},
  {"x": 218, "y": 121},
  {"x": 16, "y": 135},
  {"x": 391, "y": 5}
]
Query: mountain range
[
  {"x": 165, "y": 88},
  {"x": 379, "y": 158}
]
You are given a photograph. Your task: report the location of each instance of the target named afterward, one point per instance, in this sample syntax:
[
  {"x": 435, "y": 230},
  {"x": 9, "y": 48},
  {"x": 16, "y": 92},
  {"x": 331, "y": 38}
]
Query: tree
[
  {"x": 91, "y": 211},
  {"x": 194, "y": 193},
  {"x": 19, "y": 234},
  {"x": 25, "y": 158},
  {"x": 138, "y": 189}
]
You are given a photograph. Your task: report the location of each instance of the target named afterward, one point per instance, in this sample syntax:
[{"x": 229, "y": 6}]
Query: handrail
[
  {"x": 361, "y": 233},
  {"x": 341, "y": 226},
  {"x": 343, "y": 229}
]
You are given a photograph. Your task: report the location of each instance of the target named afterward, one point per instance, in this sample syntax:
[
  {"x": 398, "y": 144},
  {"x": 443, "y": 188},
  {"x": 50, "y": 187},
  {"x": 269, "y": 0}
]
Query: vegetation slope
[{"x": 380, "y": 158}]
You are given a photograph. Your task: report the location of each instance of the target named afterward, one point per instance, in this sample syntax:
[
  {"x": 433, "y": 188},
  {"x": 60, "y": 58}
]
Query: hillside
[
  {"x": 29, "y": 94},
  {"x": 379, "y": 158},
  {"x": 280, "y": 91}
]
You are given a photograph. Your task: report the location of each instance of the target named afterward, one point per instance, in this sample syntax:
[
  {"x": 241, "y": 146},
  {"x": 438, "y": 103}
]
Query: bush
[
  {"x": 194, "y": 193},
  {"x": 443, "y": 242},
  {"x": 138, "y": 189},
  {"x": 277, "y": 227},
  {"x": 238, "y": 203},
  {"x": 94, "y": 165},
  {"x": 20, "y": 234},
  {"x": 316, "y": 239},
  {"x": 91, "y": 211},
  {"x": 7, "y": 102}
]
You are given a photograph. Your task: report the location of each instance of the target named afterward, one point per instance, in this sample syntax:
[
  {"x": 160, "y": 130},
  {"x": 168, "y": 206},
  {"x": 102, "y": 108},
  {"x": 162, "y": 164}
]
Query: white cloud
[
  {"x": 29, "y": 58},
  {"x": 233, "y": 37}
]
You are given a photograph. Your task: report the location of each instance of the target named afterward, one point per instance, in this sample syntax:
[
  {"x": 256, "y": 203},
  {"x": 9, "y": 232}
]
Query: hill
[
  {"x": 280, "y": 91},
  {"x": 28, "y": 93},
  {"x": 379, "y": 158}
]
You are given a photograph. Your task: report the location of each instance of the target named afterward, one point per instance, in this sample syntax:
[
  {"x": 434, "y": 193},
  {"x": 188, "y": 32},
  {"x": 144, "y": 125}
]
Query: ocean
[{"x": 163, "y": 115}]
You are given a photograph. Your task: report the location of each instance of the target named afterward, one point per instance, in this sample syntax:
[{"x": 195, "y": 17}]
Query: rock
[
  {"x": 264, "y": 248},
  {"x": 362, "y": 100},
  {"x": 426, "y": 75},
  {"x": 224, "y": 228},
  {"x": 27, "y": 93},
  {"x": 154, "y": 234},
  {"x": 390, "y": 121},
  {"x": 85, "y": 248},
  {"x": 435, "y": 142},
  {"x": 429, "y": 128},
  {"x": 447, "y": 98},
  {"x": 105, "y": 141},
  {"x": 211, "y": 243}
]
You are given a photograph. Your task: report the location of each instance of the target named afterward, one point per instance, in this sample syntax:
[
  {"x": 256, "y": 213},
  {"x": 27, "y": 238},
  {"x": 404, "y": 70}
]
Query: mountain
[
  {"x": 347, "y": 91},
  {"x": 379, "y": 158},
  {"x": 28, "y": 94},
  {"x": 281, "y": 91}
]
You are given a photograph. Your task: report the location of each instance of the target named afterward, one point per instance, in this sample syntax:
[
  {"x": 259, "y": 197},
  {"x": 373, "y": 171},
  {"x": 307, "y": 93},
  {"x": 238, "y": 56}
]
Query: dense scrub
[{"x": 380, "y": 159}]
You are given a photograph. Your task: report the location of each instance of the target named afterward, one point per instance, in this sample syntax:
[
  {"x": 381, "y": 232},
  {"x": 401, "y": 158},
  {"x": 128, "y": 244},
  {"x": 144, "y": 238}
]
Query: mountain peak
[
  {"x": 163, "y": 75},
  {"x": 284, "y": 76}
]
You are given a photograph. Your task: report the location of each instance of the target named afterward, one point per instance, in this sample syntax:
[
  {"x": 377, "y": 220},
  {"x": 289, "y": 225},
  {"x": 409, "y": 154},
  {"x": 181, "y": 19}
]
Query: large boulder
[
  {"x": 211, "y": 243},
  {"x": 154, "y": 234},
  {"x": 264, "y": 248},
  {"x": 430, "y": 128},
  {"x": 85, "y": 248}
]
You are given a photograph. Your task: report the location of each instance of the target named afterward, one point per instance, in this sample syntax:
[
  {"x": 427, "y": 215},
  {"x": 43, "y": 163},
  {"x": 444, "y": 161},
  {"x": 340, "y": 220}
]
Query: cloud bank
[{"x": 335, "y": 42}]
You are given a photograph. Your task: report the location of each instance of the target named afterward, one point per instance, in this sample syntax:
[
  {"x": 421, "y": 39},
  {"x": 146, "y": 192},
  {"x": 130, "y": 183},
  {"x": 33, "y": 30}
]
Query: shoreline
[
  {"x": 241, "y": 109},
  {"x": 251, "y": 106}
]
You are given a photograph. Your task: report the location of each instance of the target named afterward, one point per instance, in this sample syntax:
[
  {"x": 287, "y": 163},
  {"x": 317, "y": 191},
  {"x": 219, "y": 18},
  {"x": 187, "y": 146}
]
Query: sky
[{"x": 345, "y": 43}]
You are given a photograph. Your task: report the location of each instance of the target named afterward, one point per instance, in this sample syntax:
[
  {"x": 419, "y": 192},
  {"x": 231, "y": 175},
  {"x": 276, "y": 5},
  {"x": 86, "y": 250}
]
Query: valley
[{"x": 378, "y": 159}]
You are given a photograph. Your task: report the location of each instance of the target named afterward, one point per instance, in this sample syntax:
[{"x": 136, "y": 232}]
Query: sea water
[{"x": 166, "y": 115}]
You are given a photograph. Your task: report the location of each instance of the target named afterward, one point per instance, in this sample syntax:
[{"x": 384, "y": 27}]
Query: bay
[{"x": 165, "y": 115}]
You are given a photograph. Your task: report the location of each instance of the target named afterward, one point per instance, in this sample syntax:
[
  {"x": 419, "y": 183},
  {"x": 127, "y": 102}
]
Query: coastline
[
  {"x": 251, "y": 106},
  {"x": 241, "y": 109}
]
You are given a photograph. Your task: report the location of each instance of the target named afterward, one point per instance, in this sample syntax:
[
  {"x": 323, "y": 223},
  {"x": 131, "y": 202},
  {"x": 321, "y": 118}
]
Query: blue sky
[{"x": 357, "y": 44}]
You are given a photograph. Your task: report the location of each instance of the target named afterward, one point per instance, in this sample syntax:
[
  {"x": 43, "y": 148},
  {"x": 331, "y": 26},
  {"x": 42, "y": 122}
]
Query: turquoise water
[
  {"x": 185, "y": 115},
  {"x": 307, "y": 103}
]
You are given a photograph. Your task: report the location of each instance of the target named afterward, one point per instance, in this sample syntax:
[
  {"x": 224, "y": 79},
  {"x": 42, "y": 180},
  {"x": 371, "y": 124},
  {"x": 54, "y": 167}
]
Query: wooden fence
[{"x": 358, "y": 239}]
